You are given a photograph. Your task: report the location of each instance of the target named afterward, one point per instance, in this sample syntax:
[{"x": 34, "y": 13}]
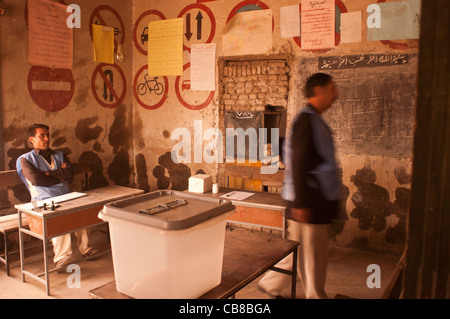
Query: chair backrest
[{"x": 10, "y": 178}]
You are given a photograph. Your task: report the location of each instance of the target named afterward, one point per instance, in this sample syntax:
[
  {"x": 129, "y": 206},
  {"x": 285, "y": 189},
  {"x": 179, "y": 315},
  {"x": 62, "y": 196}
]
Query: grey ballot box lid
[{"x": 168, "y": 209}]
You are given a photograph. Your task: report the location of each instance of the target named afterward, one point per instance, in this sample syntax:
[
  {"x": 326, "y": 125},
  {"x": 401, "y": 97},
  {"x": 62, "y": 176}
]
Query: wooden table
[
  {"x": 261, "y": 209},
  {"x": 247, "y": 255},
  {"x": 69, "y": 217}
]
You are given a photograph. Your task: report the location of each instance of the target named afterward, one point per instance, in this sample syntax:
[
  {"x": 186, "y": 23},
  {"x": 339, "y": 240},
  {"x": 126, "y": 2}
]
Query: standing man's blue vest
[
  {"x": 41, "y": 192},
  {"x": 326, "y": 172}
]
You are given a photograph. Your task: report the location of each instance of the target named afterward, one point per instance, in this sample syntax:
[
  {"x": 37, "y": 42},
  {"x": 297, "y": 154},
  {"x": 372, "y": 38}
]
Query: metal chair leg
[{"x": 6, "y": 258}]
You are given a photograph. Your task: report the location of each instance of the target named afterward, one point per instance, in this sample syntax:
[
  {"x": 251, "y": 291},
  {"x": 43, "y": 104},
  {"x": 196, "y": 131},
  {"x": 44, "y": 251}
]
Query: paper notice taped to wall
[
  {"x": 165, "y": 47},
  {"x": 394, "y": 20},
  {"x": 203, "y": 67},
  {"x": 351, "y": 27},
  {"x": 290, "y": 21},
  {"x": 103, "y": 38},
  {"x": 248, "y": 32},
  {"x": 318, "y": 24},
  {"x": 50, "y": 40}
]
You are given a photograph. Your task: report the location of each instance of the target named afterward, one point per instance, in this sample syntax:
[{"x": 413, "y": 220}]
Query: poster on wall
[
  {"x": 203, "y": 67},
  {"x": 165, "y": 47},
  {"x": 103, "y": 42},
  {"x": 318, "y": 24},
  {"x": 248, "y": 32},
  {"x": 351, "y": 27},
  {"x": 289, "y": 22},
  {"x": 50, "y": 41},
  {"x": 393, "y": 20}
]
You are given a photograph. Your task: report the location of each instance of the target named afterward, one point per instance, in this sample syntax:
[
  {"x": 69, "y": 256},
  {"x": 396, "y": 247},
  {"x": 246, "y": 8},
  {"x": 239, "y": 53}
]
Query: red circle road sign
[
  {"x": 185, "y": 85},
  {"x": 142, "y": 38},
  {"x": 249, "y": 3},
  {"x": 200, "y": 25},
  {"x": 51, "y": 89},
  {"x": 150, "y": 89},
  {"x": 103, "y": 11},
  {"x": 105, "y": 74}
]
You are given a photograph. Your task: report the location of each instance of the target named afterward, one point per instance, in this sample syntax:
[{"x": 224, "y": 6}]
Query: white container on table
[{"x": 167, "y": 244}]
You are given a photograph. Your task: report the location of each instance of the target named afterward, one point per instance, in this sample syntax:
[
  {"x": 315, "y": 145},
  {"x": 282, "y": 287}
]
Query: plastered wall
[
  {"x": 85, "y": 124},
  {"x": 129, "y": 142}
]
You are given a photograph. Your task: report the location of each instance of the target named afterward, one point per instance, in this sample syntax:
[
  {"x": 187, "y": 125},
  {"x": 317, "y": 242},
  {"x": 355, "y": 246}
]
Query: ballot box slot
[{"x": 160, "y": 208}]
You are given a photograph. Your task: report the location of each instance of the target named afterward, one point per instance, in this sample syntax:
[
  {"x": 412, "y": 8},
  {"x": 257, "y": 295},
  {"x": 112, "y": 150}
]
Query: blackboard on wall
[{"x": 375, "y": 113}]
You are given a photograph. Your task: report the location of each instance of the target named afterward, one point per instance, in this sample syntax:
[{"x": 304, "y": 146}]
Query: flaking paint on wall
[
  {"x": 141, "y": 172},
  {"x": 84, "y": 130},
  {"x": 120, "y": 133},
  {"x": 120, "y": 138},
  {"x": 97, "y": 178},
  {"x": 338, "y": 224},
  {"x": 119, "y": 171},
  {"x": 371, "y": 201},
  {"x": 179, "y": 173}
]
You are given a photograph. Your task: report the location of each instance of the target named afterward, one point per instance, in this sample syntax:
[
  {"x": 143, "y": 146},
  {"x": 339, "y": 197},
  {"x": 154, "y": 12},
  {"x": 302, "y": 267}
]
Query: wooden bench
[
  {"x": 10, "y": 223},
  {"x": 394, "y": 287}
]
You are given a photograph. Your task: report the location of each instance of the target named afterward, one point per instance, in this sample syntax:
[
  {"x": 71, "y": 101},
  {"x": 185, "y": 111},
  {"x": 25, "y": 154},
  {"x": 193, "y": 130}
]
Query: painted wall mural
[{"x": 121, "y": 121}]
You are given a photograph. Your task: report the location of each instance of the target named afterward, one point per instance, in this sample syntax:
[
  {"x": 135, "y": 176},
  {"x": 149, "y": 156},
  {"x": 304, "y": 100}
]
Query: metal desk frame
[
  {"x": 45, "y": 238},
  {"x": 45, "y": 244}
]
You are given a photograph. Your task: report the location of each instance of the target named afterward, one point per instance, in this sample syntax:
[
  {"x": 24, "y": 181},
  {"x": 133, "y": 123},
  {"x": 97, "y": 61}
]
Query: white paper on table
[
  {"x": 57, "y": 199},
  {"x": 236, "y": 195}
]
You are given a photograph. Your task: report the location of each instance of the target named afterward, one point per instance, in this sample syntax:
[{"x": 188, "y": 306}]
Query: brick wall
[{"x": 251, "y": 85}]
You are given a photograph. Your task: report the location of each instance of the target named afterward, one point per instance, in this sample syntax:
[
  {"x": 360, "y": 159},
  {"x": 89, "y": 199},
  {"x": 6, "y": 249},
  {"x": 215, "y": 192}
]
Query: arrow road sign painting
[
  {"x": 108, "y": 85},
  {"x": 199, "y": 24}
]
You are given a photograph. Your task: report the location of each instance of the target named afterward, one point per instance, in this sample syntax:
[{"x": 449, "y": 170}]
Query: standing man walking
[{"x": 311, "y": 188}]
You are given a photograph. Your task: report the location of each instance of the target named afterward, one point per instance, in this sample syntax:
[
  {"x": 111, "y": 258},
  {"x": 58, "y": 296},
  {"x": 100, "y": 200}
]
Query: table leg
[
  {"x": 21, "y": 248},
  {"x": 294, "y": 274},
  {"x": 44, "y": 243},
  {"x": 5, "y": 237}
]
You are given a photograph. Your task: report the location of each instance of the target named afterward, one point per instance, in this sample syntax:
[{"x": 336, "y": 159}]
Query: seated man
[{"x": 46, "y": 173}]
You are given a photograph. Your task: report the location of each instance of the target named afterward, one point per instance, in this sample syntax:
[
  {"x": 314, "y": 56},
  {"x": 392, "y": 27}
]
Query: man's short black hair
[
  {"x": 32, "y": 129},
  {"x": 317, "y": 79}
]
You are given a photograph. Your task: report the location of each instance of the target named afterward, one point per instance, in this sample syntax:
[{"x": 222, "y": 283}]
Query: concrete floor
[{"x": 347, "y": 276}]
